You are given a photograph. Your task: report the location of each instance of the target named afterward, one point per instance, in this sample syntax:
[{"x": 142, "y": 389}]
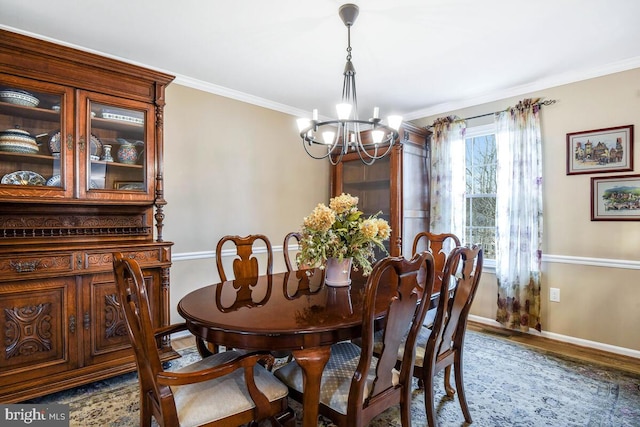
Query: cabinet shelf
[
  {"x": 116, "y": 164},
  {"x": 22, "y": 157},
  {"x": 29, "y": 112}
]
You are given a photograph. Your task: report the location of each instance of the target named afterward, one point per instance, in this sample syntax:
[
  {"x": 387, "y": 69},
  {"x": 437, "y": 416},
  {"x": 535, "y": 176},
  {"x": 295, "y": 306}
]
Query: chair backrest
[
  {"x": 407, "y": 303},
  {"x": 440, "y": 245},
  {"x": 450, "y": 324},
  {"x": 285, "y": 249},
  {"x": 132, "y": 294},
  {"x": 245, "y": 264}
]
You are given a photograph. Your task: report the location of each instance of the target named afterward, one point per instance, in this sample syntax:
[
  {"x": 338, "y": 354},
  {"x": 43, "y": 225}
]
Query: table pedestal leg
[{"x": 312, "y": 362}]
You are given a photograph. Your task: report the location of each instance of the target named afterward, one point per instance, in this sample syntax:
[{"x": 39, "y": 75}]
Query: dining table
[{"x": 286, "y": 312}]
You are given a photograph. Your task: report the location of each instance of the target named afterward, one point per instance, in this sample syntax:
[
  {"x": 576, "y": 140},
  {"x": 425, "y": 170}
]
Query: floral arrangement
[{"x": 340, "y": 231}]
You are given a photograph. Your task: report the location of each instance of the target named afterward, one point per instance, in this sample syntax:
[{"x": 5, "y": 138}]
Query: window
[{"x": 480, "y": 194}]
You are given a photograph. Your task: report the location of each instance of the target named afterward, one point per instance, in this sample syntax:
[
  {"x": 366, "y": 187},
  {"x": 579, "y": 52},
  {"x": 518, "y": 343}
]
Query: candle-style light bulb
[
  {"x": 328, "y": 136},
  {"x": 377, "y": 136},
  {"x": 343, "y": 110},
  {"x": 303, "y": 123}
]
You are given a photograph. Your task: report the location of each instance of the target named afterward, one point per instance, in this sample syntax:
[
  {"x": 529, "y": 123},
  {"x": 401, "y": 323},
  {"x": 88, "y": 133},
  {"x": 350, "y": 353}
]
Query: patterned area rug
[{"x": 507, "y": 384}]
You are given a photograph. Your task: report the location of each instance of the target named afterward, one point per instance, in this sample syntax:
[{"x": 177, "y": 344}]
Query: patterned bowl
[
  {"x": 19, "y": 97},
  {"x": 18, "y": 141}
]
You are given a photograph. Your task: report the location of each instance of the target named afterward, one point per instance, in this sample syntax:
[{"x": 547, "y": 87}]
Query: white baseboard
[{"x": 564, "y": 338}]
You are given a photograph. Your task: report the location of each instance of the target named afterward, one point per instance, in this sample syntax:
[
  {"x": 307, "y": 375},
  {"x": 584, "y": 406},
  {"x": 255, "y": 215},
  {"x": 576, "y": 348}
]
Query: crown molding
[{"x": 239, "y": 96}]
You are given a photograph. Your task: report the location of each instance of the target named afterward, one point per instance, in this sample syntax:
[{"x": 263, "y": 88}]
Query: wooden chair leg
[
  {"x": 429, "y": 405},
  {"x": 447, "y": 381},
  {"x": 405, "y": 406},
  {"x": 460, "y": 385},
  {"x": 145, "y": 411}
]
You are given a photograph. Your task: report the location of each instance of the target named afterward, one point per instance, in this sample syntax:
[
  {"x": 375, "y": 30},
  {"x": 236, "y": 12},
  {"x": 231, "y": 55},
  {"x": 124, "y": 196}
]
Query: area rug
[{"x": 507, "y": 384}]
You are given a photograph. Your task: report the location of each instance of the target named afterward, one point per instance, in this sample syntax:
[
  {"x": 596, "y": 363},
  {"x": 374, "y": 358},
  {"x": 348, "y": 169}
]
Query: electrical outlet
[{"x": 554, "y": 294}]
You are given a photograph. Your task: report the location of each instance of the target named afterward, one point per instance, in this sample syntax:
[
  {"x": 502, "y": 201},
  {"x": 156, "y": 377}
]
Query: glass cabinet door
[
  {"x": 115, "y": 148},
  {"x": 35, "y": 148}
]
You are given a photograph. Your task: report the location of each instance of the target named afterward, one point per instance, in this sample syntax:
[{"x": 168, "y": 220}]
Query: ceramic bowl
[
  {"x": 19, "y": 97},
  {"x": 18, "y": 141}
]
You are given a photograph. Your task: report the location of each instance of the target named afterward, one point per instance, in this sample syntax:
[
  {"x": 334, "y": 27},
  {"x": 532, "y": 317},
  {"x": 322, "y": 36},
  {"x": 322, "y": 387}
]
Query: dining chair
[
  {"x": 285, "y": 249},
  {"x": 441, "y": 347},
  {"x": 356, "y": 386},
  {"x": 440, "y": 245},
  {"x": 225, "y": 389},
  {"x": 245, "y": 264}
]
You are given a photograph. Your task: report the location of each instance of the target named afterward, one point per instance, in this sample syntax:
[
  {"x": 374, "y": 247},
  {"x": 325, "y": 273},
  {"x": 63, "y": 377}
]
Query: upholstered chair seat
[{"x": 201, "y": 403}]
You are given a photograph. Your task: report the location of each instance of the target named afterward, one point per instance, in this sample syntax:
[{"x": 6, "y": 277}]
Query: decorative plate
[
  {"x": 23, "y": 178},
  {"x": 19, "y": 97},
  {"x": 54, "y": 181},
  {"x": 96, "y": 146},
  {"x": 54, "y": 143}
]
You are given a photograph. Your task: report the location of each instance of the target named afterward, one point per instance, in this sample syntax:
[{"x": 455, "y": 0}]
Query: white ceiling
[{"x": 413, "y": 57}]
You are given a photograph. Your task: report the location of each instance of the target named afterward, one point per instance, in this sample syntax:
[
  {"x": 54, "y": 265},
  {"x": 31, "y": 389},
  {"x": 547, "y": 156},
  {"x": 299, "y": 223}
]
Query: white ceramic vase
[{"x": 338, "y": 273}]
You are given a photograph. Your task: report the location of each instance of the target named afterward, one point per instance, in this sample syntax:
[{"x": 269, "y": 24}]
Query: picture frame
[
  {"x": 615, "y": 198},
  {"x": 129, "y": 185},
  {"x": 600, "y": 150}
]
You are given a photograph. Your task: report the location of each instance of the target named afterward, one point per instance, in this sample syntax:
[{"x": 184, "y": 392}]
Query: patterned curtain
[
  {"x": 519, "y": 215},
  {"x": 448, "y": 176}
]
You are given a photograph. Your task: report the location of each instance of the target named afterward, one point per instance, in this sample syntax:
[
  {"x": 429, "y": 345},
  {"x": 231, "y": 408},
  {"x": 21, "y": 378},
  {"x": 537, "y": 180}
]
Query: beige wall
[
  {"x": 230, "y": 168},
  {"x": 599, "y": 304}
]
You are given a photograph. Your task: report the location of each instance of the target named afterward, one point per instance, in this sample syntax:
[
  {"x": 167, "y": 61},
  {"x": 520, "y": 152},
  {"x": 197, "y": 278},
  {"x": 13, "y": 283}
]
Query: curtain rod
[{"x": 540, "y": 103}]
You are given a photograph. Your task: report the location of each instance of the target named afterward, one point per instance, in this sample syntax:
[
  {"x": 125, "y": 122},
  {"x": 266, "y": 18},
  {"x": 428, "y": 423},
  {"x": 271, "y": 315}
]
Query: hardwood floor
[{"x": 624, "y": 363}]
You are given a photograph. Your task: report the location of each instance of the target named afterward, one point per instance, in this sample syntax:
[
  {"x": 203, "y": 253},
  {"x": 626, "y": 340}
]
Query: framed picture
[
  {"x": 129, "y": 185},
  {"x": 600, "y": 150},
  {"x": 615, "y": 198}
]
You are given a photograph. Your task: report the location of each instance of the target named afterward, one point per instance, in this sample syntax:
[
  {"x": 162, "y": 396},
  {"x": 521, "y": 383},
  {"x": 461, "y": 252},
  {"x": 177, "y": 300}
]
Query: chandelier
[{"x": 371, "y": 139}]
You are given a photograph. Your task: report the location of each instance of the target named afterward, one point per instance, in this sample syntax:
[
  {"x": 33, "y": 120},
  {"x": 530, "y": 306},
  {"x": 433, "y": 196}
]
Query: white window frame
[{"x": 472, "y": 132}]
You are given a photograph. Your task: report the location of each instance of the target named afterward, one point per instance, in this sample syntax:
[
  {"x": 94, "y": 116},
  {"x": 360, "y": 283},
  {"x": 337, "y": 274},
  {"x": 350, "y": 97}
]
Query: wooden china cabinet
[
  {"x": 81, "y": 177},
  {"x": 397, "y": 185}
]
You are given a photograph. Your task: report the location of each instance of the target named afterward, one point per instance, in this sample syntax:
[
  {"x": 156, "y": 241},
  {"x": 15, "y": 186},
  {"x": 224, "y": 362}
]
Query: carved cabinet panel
[
  {"x": 104, "y": 320},
  {"x": 38, "y": 329}
]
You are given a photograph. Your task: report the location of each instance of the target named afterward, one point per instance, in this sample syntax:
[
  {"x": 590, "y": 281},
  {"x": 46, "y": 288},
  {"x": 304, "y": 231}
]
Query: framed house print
[
  {"x": 615, "y": 198},
  {"x": 600, "y": 150}
]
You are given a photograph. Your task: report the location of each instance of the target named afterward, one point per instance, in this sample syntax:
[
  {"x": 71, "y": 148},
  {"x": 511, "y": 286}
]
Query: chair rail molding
[
  {"x": 190, "y": 256},
  {"x": 490, "y": 264}
]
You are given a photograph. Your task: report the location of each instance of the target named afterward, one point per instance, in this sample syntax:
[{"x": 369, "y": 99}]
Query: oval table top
[{"x": 282, "y": 311}]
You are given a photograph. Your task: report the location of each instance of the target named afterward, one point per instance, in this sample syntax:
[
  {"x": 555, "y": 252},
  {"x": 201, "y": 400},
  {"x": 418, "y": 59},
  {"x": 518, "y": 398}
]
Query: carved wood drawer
[
  {"x": 104, "y": 260},
  {"x": 12, "y": 265}
]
